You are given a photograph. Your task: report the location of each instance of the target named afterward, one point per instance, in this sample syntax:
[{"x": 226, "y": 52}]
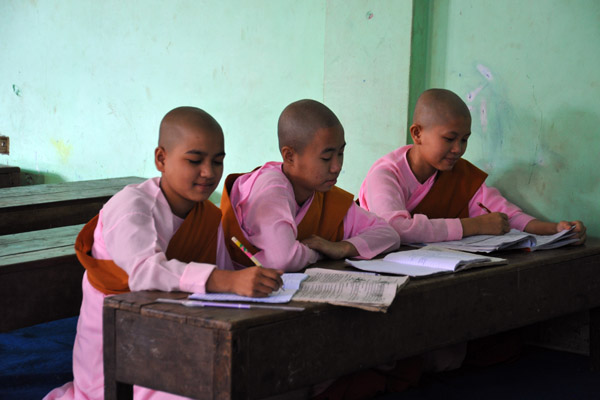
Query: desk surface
[{"x": 225, "y": 353}]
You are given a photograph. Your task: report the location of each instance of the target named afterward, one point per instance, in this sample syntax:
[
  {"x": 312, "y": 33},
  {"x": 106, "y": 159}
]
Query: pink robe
[
  {"x": 266, "y": 208},
  {"x": 139, "y": 217},
  {"x": 392, "y": 191}
]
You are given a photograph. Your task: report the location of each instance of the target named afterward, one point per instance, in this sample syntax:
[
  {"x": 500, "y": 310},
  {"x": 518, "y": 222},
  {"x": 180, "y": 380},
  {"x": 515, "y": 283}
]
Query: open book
[
  {"x": 351, "y": 289},
  {"x": 425, "y": 261},
  {"x": 512, "y": 240}
]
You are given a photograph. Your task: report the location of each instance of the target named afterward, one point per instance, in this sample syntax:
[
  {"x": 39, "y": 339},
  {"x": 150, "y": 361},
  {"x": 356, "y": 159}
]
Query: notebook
[
  {"x": 426, "y": 261},
  {"x": 291, "y": 284}
]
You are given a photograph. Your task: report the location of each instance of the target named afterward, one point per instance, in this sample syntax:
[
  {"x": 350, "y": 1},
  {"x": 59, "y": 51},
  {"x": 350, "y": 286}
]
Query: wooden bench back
[
  {"x": 30, "y": 208},
  {"x": 40, "y": 277}
]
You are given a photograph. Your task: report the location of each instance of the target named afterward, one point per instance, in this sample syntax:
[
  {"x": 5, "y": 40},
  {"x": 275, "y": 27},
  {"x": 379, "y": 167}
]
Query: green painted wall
[
  {"x": 84, "y": 84},
  {"x": 83, "y": 87},
  {"x": 529, "y": 72},
  {"x": 367, "y": 61}
]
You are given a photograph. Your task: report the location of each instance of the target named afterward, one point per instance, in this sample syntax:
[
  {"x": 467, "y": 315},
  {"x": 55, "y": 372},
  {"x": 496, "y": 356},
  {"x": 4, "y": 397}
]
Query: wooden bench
[
  {"x": 34, "y": 207},
  {"x": 214, "y": 353},
  {"x": 40, "y": 277}
]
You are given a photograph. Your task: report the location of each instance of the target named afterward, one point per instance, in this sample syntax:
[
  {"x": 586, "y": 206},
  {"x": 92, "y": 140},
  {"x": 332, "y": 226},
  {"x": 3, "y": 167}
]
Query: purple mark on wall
[
  {"x": 473, "y": 93},
  {"x": 483, "y": 115},
  {"x": 485, "y": 72},
  {"x": 369, "y": 15}
]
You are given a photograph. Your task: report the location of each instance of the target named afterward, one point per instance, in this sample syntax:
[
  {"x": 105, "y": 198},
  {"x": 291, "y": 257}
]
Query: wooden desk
[
  {"x": 29, "y": 208},
  {"x": 40, "y": 277},
  {"x": 250, "y": 354}
]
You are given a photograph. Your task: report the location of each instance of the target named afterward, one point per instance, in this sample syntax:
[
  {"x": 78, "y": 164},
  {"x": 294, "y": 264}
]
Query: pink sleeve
[
  {"x": 268, "y": 220},
  {"x": 370, "y": 234},
  {"x": 495, "y": 202},
  {"x": 143, "y": 257},
  {"x": 383, "y": 193}
]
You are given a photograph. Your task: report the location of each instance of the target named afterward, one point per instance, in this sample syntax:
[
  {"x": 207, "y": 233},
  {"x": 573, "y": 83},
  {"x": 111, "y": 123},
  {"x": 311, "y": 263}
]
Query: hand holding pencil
[
  {"x": 263, "y": 281},
  {"x": 254, "y": 281},
  {"x": 490, "y": 223}
]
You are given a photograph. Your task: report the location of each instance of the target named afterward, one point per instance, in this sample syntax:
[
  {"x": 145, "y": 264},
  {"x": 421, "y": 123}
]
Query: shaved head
[
  {"x": 175, "y": 123},
  {"x": 301, "y": 120},
  {"x": 438, "y": 106}
]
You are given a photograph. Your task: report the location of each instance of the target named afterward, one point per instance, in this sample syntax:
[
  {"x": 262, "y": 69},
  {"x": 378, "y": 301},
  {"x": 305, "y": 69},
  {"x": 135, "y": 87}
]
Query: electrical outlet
[{"x": 4, "y": 144}]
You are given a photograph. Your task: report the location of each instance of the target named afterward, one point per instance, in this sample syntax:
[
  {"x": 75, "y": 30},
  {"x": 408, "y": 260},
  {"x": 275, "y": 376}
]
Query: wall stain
[
  {"x": 16, "y": 90},
  {"x": 483, "y": 115},
  {"x": 472, "y": 94},
  {"x": 485, "y": 71},
  {"x": 63, "y": 149}
]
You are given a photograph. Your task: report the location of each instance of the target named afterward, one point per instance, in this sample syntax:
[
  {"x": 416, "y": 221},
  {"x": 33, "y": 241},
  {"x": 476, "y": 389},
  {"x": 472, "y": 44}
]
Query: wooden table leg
[
  {"x": 113, "y": 390},
  {"x": 595, "y": 339}
]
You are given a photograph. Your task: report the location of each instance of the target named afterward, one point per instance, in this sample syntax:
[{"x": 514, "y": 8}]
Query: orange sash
[
  {"x": 324, "y": 217},
  {"x": 450, "y": 194},
  {"x": 195, "y": 240}
]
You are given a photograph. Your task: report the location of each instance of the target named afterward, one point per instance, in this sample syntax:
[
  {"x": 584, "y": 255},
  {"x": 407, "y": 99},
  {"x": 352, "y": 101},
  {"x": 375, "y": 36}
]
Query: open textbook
[
  {"x": 351, "y": 289},
  {"x": 425, "y": 261},
  {"x": 512, "y": 240}
]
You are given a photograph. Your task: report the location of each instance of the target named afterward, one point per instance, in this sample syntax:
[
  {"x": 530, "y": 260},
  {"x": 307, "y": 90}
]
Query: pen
[
  {"x": 196, "y": 303},
  {"x": 246, "y": 252},
  {"x": 484, "y": 207}
]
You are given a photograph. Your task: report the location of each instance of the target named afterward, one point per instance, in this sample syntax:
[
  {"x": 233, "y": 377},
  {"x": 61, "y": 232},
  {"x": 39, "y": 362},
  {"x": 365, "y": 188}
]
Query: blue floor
[{"x": 37, "y": 359}]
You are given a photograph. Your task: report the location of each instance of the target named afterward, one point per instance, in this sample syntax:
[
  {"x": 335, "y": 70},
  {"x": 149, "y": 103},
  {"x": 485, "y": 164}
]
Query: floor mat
[{"x": 36, "y": 359}]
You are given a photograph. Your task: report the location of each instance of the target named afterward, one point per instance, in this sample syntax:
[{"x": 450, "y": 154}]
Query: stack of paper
[
  {"x": 512, "y": 240},
  {"x": 546, "y": 242},
  {"x": 425, "y": 261},
  {"x": 352, "y": 289}
]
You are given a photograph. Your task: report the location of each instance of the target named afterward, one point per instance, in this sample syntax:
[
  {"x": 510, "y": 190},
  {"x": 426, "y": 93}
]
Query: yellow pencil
[{"x": 246, "y": 252}]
